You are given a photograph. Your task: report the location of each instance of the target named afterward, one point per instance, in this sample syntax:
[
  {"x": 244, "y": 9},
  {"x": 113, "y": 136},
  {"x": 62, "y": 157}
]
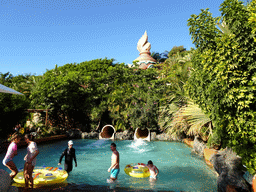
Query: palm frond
[
  {"x": 223, "y": 27},
  {"x": 196, "y": 119},
  {"x": 191, "y": 120}
]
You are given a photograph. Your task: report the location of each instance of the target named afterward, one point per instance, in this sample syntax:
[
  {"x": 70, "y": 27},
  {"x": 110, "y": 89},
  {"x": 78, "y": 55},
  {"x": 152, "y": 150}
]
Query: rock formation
[
  {"x": 74, "y": 133},
  {"x": 125, "y": 135},
  {"x": 90, "y": 135},
  {"x": 199, "y": 146},
  {"x": 230, "y": 169}
]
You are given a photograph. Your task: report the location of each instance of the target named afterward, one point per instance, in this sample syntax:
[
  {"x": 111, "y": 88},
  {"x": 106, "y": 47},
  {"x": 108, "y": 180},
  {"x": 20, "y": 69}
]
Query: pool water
[{"x": 180, "y": 169}]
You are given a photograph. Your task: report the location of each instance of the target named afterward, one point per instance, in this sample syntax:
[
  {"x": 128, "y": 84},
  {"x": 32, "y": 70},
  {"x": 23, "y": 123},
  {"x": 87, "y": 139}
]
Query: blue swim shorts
[
  {"x": 153, "y": 177},
  {"x": 114, "y": 173}
]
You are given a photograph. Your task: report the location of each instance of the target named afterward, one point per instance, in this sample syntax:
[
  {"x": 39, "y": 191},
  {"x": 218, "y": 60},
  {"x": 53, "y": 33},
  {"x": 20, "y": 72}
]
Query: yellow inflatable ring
[
  {"x": 138, "y": 170},
  {"x": 44, "y": 176}
]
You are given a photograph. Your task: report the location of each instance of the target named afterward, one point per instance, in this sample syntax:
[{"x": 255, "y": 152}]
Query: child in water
[{"x": 152, "y": 169}]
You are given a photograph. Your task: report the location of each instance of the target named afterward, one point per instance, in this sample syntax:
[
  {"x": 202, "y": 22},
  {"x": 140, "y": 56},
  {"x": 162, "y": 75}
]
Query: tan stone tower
[{"x": 144, "y": 60}]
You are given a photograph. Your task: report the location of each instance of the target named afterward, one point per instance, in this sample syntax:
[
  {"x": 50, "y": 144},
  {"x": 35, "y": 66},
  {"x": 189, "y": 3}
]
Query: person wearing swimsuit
[
  {"x": 152, "y": 169},
  {"x": 114, "y": 168},
  {"x": 11, "y": 152},
  {"x": 30, "y": 160},
  {"x": 70, "y": 154}
]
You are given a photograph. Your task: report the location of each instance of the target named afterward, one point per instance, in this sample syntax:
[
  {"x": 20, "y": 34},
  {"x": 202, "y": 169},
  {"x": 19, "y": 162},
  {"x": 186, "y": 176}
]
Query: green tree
[
  {"x": 12, "y": 107},
  {"x": 177, "y": 49},
  {"x": 72, "y": 92},
  {"x": 99, "y": 92},
  {"x": 174, "y": 74},
  {"x": 252, "y": 19},
  {"x": 134, "y": 100},
  {"x": 222, "y": 81}
]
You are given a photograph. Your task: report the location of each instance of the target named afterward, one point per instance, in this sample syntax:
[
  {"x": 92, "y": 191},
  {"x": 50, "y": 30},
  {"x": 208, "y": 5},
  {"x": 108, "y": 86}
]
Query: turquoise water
[{"x": 180, "y": 169}]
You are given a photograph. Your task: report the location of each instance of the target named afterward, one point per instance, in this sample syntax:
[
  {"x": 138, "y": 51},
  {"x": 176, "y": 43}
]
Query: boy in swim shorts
[
  {"x": 114, "y": 173},
  {"x": 114, "y": 168}
]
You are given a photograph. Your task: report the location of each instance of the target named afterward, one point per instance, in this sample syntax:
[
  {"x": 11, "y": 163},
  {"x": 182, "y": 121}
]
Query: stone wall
[
  {"x": 167, "y": 137},
  {"x": 199, "y": 146},
  {"x": 90, "y": 135},
  {"x": 74, "y": 134},
  {"x": 153, "y": 136},
  {"x": 125, "y": 135}
]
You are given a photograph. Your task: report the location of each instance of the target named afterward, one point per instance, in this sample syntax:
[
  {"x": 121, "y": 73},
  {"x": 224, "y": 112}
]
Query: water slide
[
  {"x": 142, "y": 134},
  {"x": 107, "y": 132}
]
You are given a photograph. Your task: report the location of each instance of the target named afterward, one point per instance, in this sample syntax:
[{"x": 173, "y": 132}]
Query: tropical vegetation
[{"x": 223, "y": 79}]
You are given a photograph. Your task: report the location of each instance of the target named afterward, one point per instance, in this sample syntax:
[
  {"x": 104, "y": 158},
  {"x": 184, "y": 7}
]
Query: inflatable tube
[
  {"x": 138, "y": 170},
  {"x": 44, "y": 176},
  {"x": 143, "y": 134},
  {"x": 107, "y": 132}
]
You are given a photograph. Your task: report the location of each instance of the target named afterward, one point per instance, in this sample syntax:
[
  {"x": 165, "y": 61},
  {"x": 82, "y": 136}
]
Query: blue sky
[{"x": 37, "y": 34}]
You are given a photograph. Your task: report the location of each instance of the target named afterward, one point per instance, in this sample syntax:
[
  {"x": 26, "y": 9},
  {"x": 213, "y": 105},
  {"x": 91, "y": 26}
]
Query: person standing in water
[
  {"x": 114, "y": 168},
  {"x": 30, "y": 158},
  {"x": 152, "y": 169},
  {"x": 11, "y": 152},
  {"x": 70, "y": 154}
]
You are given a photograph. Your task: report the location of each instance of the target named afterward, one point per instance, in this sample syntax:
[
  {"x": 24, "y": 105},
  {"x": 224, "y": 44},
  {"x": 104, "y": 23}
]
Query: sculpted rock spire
[{"x": 143, "y": 46}]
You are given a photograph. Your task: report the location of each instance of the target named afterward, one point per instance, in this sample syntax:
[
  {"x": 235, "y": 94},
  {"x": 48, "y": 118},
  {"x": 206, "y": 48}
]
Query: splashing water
[
  {"x": 138, "y": 143},
  {"x": 139, "y": 146}
]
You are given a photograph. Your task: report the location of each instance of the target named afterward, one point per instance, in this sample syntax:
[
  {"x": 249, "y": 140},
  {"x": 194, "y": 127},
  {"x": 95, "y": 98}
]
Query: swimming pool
[{"x": 180, "y": 169}]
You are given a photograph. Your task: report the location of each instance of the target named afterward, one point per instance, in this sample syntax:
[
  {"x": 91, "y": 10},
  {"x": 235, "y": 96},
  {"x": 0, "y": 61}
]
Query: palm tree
[
  {"x": 191, "y": 120},
  {"x": 175, "y": 73},
  {"x": 179, "y": 114}
]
